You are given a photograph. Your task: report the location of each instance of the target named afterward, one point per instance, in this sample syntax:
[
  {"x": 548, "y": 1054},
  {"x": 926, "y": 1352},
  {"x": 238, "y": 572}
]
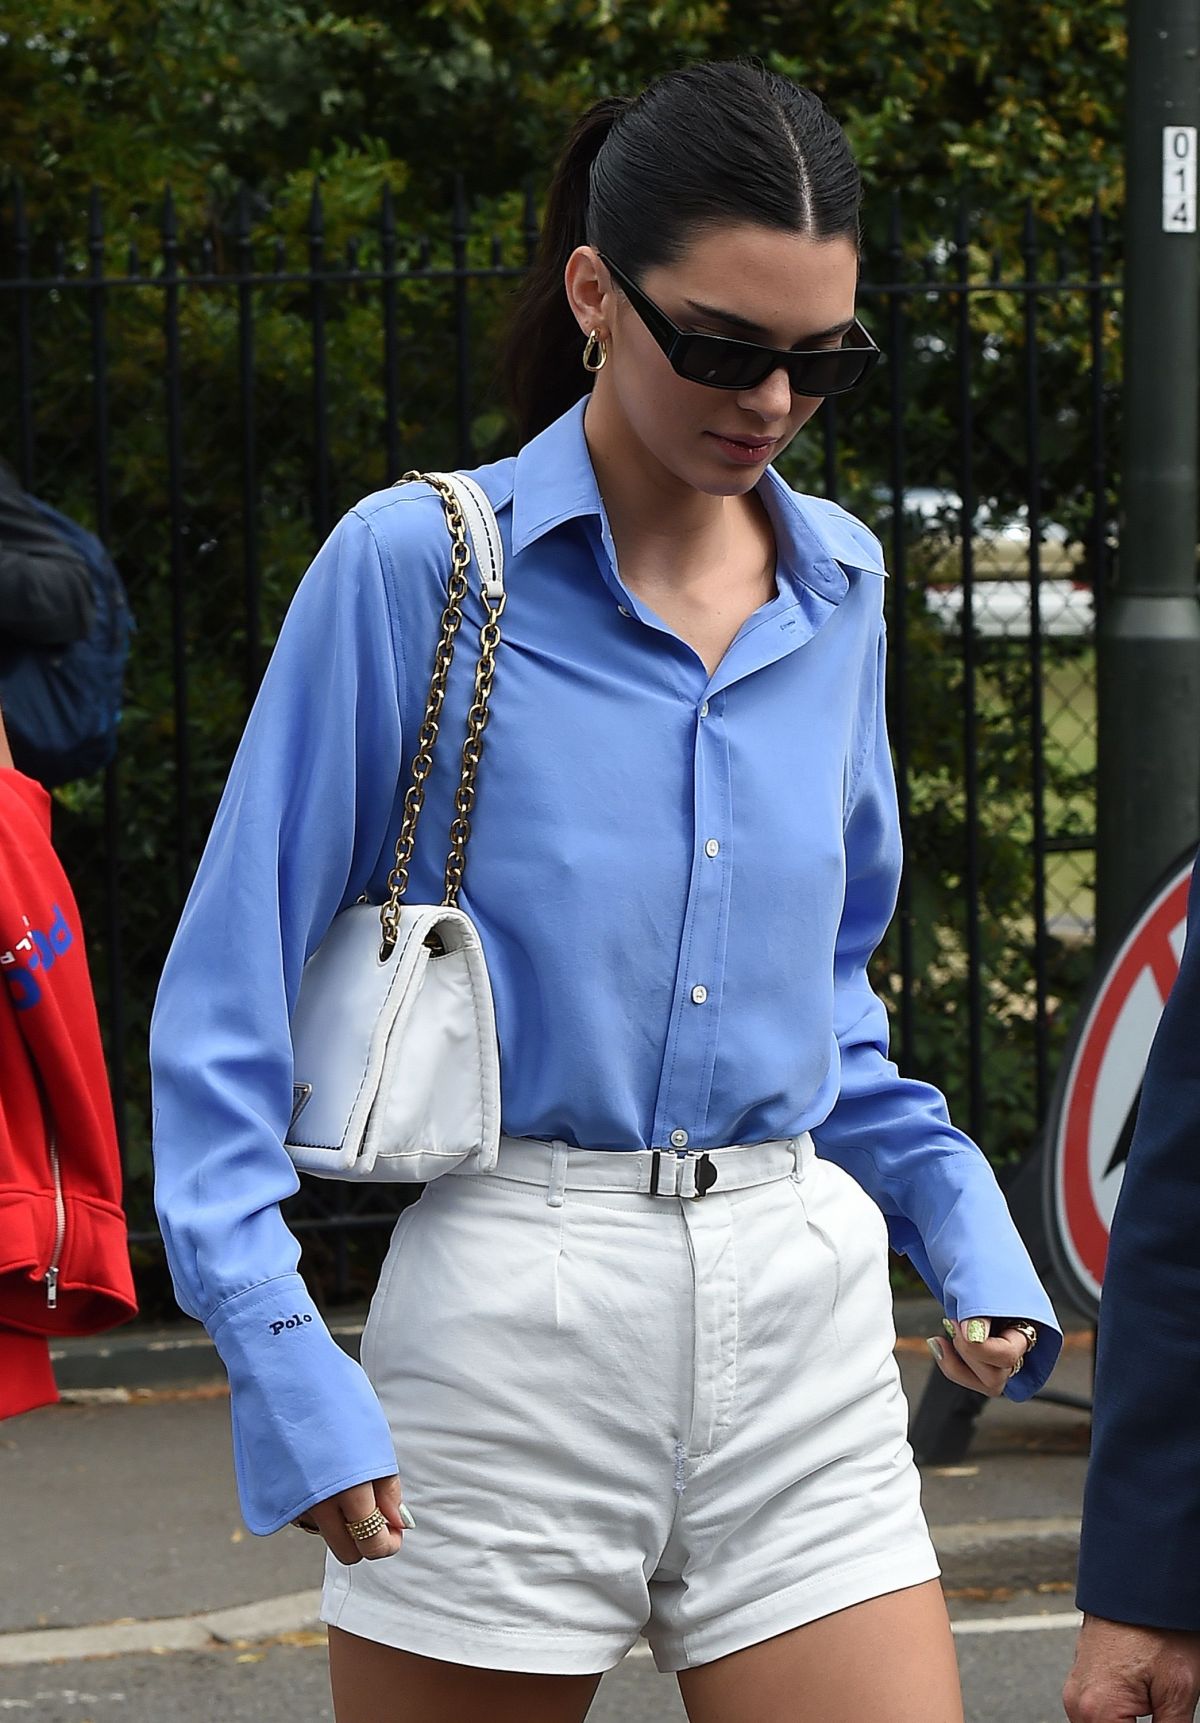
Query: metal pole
[{"x": 1149, "y": 642}]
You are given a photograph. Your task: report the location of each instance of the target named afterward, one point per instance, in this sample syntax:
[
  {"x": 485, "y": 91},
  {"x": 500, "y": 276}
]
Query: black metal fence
[{"x": 211, "y": 411}]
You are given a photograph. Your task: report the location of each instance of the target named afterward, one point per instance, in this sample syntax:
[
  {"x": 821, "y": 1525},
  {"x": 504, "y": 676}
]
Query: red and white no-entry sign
[{"x": 1092, "y": 1118}]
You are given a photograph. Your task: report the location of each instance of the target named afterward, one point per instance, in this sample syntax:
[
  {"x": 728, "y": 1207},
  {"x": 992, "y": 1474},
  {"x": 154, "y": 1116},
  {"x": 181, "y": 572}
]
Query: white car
[
  {"x": 1001, "y": 602},
  {"x": 1001, "y": 608}
]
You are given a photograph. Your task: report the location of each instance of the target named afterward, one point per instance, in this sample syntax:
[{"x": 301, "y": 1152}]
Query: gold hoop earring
[{"x": 594, "y": 342}]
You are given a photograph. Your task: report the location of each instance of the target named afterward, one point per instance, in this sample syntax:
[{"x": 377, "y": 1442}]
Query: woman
[{"x": 613, "y": 1411}]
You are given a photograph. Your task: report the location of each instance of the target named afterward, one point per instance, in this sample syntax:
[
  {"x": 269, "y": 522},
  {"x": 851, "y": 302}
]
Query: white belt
[{"x": 654, "y": 1172}]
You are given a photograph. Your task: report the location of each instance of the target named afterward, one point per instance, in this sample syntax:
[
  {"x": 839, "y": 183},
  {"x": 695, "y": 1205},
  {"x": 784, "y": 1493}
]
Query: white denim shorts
[{"x": 619, "y": 1414}]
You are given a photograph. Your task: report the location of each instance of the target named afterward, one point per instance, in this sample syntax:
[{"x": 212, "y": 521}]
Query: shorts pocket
[{"x": 369, "y": 1345}]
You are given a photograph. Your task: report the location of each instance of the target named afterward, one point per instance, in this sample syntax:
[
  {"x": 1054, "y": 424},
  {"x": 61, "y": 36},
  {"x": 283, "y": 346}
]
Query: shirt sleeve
[
  {"x": 300, "y": 827},
  {"x": 893, "y": 1134}
]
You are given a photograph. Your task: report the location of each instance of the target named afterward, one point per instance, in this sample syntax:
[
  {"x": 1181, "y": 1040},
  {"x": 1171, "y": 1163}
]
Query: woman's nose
[{"x": 771, "y": 399}]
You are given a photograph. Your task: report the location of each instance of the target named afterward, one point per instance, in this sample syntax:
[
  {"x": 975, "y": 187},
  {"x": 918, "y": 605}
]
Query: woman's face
[{"x": 752, "y": 283}]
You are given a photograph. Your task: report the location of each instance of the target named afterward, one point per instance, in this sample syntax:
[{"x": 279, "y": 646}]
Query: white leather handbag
[{"x": 396, "y": 1064}]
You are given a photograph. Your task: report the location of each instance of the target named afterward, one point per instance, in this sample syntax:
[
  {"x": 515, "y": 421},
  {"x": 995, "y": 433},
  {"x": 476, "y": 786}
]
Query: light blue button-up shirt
[{"x": 679, "y": 879}]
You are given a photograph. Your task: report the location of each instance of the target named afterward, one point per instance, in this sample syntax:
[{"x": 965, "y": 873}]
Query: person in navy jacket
[{"x": 1139, "y": 1566}]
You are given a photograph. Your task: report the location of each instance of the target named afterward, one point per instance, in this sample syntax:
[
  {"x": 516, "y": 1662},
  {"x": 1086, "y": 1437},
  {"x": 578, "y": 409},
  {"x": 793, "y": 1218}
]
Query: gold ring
[{"x": 361, "y": 1530}]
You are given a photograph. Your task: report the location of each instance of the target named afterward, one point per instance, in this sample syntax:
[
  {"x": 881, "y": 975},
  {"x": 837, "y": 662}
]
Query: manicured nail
[
  {"x": 977, "y": 1329},
  {"x": 948, "y": 1326},
  {"x": 935, "y": 1346},
  {"x": 406, "y": 1519}
]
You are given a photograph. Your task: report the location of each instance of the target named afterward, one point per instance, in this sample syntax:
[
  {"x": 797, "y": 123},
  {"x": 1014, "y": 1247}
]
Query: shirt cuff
[
  {"x": 306, "y": 1421},
  {"x": 1018, "y": 1301}
]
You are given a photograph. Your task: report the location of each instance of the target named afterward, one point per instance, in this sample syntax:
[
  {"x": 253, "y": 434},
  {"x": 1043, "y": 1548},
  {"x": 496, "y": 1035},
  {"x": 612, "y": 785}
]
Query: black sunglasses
[{"x": 723, "y": 363}]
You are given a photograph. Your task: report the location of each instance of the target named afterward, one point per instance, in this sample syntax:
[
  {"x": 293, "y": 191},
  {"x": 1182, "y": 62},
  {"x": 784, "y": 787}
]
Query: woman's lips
[{"x": 744, "y": 449}]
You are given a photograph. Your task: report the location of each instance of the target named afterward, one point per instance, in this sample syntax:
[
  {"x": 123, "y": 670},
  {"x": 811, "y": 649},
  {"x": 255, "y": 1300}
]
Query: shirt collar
[
  {"x": 554, "y": 479},
  {"x": 554, "y": 482}
]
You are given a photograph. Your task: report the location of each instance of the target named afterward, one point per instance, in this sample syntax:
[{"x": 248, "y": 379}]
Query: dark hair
[{"x": 726, "y": 141}]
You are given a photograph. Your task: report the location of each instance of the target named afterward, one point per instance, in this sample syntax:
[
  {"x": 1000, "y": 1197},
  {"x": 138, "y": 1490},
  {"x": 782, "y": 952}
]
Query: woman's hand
[
  {"x": 984, "y": 1365},
  {"x": 331, "y": 1517}
]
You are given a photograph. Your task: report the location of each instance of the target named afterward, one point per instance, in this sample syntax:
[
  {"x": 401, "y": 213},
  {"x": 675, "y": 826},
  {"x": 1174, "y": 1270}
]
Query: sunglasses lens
[
  {"x": 829, "y": 373},
  {"x": 720, "y": 364},
  {"x": 734, "y": 365}
]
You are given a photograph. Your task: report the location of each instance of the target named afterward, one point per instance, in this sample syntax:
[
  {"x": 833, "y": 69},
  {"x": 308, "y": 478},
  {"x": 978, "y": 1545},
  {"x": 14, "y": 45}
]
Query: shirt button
[
  {"x": 704, "y": 710},
  {"x": 699, "y": 995},
  {"x": 712, "y": 847},
  {"x": 679, "y": 1139},
  {"x": 622, "y": 610}
]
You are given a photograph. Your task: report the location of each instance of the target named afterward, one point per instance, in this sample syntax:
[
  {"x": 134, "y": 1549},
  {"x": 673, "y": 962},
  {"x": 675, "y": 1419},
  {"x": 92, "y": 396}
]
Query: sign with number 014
[{"x": 1179, "y": 179}]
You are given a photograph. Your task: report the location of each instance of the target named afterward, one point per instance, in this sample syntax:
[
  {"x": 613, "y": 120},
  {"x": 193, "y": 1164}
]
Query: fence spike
[
  {"x": 280, "y": 255},
  {"x": 20, "y": 221},
  {"x": 387, "y": 212},
  {"x": 1095, "y": 227},
  {"x": 95, "y": 217},
  {"x": 962, "y": 222},
  {"x": 170, "y": 227},
  {"x": 135, "y": 259},
  {"x": 59, "y": 256},
  {"x": 497, "y": 251},
  {"x": 352, "y": 254},
  {"x": 316, "y": 212},
  {"x": 532, "y": 229},
  {"x": 895, "y": 242},
  {"x": 241, "y": 225},
  {"x": 1029, "y": 240}
]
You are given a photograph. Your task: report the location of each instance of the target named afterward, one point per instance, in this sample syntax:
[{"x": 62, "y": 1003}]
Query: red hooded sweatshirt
[{"x": 64, "y": 1259}]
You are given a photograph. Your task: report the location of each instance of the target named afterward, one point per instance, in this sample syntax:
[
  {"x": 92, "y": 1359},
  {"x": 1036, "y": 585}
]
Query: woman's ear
[
  {"x": 589, "y": 291},
  {"x": 6, "y": 758}
]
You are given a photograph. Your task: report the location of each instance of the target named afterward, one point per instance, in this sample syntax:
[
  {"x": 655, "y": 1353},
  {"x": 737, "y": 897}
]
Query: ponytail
[{"x": 541, "y": 366}]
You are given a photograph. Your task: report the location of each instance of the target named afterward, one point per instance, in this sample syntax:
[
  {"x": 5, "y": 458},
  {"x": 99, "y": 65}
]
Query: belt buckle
[{"x": 705, "y": 1176}]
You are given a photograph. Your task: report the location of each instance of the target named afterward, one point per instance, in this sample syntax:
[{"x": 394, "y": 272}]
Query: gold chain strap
[{"x": 485, "y": 670}]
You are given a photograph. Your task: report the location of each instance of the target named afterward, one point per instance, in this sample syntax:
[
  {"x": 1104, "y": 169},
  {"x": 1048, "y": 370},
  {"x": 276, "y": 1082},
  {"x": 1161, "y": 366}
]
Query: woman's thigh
[
  {"x": 889, "y": 1660},
  {"x": 375, "y": 1683}
]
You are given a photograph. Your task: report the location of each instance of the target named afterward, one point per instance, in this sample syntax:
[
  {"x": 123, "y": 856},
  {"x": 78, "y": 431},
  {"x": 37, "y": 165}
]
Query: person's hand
[
  {"x": 1122, "y": 1673},
  {"x": 984, "y": 1365},
  {"x": 6, "y": 758},
  {"x": 331, "y": 1517}
]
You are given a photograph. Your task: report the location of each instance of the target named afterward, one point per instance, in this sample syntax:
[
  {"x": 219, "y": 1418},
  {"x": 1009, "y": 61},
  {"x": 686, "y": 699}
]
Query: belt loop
[
  {"x": 664, "y": 1173},
  {"x": 803, "y": 1149},
  {"x": 558, "y": 1176}
]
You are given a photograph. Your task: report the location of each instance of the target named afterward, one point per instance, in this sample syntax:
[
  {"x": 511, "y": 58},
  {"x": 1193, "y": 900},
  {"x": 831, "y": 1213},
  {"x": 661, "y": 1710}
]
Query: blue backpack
[{"x": 62, "y": 705}]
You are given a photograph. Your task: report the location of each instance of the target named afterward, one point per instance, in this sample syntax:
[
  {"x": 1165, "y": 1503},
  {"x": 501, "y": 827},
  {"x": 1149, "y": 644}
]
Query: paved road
[
  {"x": 118, "y": 1510},
  {"x": 1008, "y": 1677},
  {"x": 126, "y": 1510}
]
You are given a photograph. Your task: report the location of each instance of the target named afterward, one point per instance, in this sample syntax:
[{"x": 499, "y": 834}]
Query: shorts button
[{"x": 679, "y": 1139}]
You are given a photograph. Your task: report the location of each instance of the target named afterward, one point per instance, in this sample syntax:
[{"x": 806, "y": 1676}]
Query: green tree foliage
[{"x": 1019, "y": 100}]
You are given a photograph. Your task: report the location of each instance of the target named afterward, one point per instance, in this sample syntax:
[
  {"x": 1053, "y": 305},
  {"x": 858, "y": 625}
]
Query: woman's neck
[{"x": 657, "y": 520}]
